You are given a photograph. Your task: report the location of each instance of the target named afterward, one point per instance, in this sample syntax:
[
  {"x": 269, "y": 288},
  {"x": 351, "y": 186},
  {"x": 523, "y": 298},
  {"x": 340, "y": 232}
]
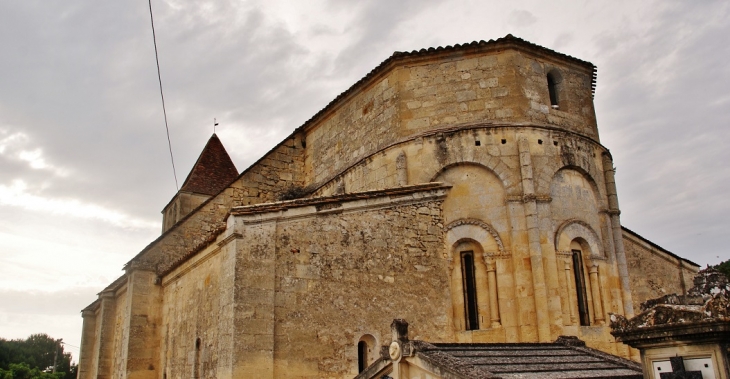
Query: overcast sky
[{"x": 84, "y": 163}]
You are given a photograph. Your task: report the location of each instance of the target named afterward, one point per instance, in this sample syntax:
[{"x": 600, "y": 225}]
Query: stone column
[
  {"x": 88, "y": 338},
  {"x": 493, "y": 299},
  {"x": 105, "y": 336},
  {"x": 596, "y": 292},
  {"x": 614, "y": 212},
  {"x": 533, "y": 235},
  {"x": 571, "y": 292},
  {"x": 457, "y": 295},
  {"x": 254, "y": 299},
  {"x": 144, "y": 321}
]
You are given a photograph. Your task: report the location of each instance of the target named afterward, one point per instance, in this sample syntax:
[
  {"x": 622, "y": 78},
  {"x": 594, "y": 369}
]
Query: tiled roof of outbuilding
[
  {"x": 213, "y": 171},
  {"x": 530, "y": 360},
  {"x": 566, "y": 358}
]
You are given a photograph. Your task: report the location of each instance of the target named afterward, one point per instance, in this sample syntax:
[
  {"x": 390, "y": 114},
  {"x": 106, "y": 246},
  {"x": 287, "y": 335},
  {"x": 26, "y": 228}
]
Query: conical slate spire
[{"x": 213, "y": 170}]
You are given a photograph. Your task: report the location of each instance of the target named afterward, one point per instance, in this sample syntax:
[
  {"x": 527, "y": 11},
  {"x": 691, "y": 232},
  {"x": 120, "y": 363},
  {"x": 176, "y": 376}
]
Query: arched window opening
[
  {"x": 362, "y": 356},
  {"x": 580, "y": 288},
  {"x": 471, "y": 311},
  {"x": 365, "y": 355},
  {"x": 553, "y": 82},
  {"x": 196, "y": 367}
]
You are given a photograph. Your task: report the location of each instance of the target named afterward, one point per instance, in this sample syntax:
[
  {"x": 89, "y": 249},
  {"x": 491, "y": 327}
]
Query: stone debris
[{"x": 707, "y": 301}]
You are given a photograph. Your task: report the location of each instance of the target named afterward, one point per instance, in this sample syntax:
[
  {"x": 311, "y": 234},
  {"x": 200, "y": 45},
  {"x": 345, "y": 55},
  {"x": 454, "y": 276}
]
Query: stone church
[{"x": 462, "y": 188}]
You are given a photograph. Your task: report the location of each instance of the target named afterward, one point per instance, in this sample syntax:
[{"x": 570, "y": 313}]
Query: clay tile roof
[
  {"x": 528, "y": 361},
  {"x": 213, "y": 171}
]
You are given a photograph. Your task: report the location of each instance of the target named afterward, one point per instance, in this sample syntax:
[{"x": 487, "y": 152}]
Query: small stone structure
[
  {"x": 463, "y": 188},
  {"x": 566, "y": 358},
  {"x": 683, "y": 336}
]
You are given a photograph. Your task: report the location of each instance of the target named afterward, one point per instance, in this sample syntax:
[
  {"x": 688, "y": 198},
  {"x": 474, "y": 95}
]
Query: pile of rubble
[{"x": 708, "y": 301}]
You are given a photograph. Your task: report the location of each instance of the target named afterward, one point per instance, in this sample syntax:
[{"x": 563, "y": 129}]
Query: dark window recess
[
  {"x": 580, "y": 288},
  {"x": 504, "y": 141},
  {"x": 362, "y": 356},
  {"x": 196, "y": 369},
  {"x": 555, "y": 143},
  {"x": 539, "y": 142},
  {"x": 553, "y": 89},
  {"x": 471, "y": 312},
  {"x": 477, "y": 143}
]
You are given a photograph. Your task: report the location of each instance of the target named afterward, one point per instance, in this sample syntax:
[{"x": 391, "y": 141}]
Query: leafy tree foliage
[
  {"x": 33, "y": 358},
  {"x": 724, "y": 267}
]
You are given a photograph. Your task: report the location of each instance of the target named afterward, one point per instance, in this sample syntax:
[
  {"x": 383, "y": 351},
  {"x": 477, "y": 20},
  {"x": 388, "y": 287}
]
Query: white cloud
[
  {"x": 16, "y": 147},
  {"x": 17, "y": 194}
]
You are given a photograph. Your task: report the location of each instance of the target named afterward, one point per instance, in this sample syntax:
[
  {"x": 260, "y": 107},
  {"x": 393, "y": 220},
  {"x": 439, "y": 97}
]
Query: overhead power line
[{"x": 162, "y": 96}]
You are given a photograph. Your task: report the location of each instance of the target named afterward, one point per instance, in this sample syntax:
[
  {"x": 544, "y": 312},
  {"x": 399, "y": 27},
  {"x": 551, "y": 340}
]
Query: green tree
[
  {"x": 34, "y": 358},
  {"x": 724, "y": 267}
]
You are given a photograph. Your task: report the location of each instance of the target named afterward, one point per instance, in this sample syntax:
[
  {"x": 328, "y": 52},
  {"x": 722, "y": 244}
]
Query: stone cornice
[
  {"x": 350, "y": 202},
  {"x": 451, "y": 129},
  {"x": 526, "y": 198}
]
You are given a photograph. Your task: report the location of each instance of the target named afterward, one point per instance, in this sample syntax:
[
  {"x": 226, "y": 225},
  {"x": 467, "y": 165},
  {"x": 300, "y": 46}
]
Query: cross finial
[
  {"x": 679, "y": 372},
  {"x": 215, "y": 123}
]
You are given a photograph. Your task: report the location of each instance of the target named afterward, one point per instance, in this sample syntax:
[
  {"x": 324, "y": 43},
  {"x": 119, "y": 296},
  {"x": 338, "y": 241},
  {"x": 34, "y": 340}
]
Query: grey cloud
[
  {"x": 375, "y": 25},
  {"x": 668, "y": 80},
  {"x": 101, "y": 109},
  {"x": 521, "y": 18},
  {"x": 65, "y": 302},
  {"x": 563, "y": 40}
]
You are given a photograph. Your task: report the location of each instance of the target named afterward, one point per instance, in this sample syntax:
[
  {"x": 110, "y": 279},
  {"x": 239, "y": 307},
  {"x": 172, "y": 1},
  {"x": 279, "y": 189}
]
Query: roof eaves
[{"x": 314, "y": 201}]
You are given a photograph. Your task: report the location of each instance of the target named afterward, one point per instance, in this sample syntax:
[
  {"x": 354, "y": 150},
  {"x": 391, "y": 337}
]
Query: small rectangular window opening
[
  {"x": 471, "y": 311},
  {"x": 580, "y": 288},
  {"x": 553, "y": 90}
]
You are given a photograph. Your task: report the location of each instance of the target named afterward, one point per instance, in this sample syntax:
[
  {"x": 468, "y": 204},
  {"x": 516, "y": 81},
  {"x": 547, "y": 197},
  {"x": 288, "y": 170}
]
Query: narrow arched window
[
  {"x": 196, "y": 367},
  {"x": 580, "y": 288},
  {"x": 362, "y": 356},
  {"x": 471, "y": 311},
  {"x": 553, "y": 89}
]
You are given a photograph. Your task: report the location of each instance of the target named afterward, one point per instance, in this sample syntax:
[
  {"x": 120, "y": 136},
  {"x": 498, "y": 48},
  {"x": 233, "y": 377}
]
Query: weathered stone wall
[
  {"x": 306, "y": 298},
  {"x": 506, "y": 86},
  {"x": 424, "y": 156},
  {"x": 363, "y": 124},
  {"x": 654, "y": 271},
  {"x": 180, "y": 206},
  {"x": 501, "y": 86},
  {"x": 192, "y": 313}
]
